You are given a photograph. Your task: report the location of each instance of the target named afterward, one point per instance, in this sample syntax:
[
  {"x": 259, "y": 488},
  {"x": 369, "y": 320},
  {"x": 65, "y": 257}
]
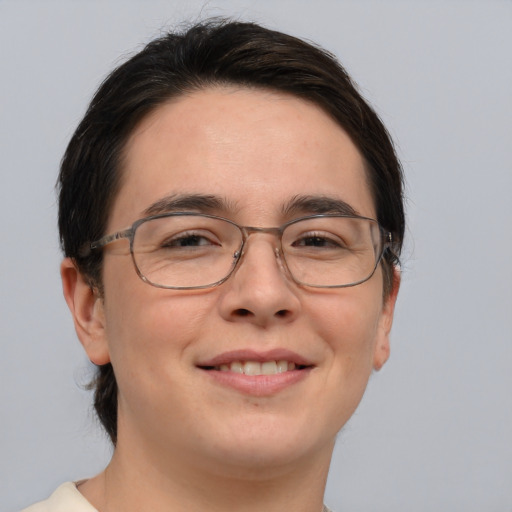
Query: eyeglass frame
[{"x": 246, "y": 231}]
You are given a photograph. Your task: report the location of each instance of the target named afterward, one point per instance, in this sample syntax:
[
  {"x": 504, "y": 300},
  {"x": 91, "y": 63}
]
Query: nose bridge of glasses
[
  {"x": 249, "y": 230},
  {"x": 275, "y": 233}
]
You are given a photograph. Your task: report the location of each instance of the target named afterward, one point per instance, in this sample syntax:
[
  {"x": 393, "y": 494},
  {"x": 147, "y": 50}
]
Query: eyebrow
[
  {"x": 204, "y": 203},
  {"x": 310, "y": 205},
  {"x": 185, "y": 202}
]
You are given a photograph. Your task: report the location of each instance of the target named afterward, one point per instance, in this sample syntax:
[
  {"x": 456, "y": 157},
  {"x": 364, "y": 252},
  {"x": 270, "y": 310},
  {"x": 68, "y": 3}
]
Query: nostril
[
  {"x": 282, "y": 313},
  {"x": 242, "y": 312}
]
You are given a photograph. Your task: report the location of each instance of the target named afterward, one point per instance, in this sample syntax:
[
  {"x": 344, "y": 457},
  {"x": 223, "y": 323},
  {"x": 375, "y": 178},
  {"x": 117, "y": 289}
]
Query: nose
[{"x": 260, "y": 291}]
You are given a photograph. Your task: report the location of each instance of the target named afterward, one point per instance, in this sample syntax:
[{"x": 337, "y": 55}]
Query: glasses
[{"x": 187, "y": 250}]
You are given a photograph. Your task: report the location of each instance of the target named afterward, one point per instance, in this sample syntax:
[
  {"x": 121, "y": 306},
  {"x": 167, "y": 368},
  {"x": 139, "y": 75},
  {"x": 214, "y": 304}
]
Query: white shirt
[{"x": 66, "y": 498}]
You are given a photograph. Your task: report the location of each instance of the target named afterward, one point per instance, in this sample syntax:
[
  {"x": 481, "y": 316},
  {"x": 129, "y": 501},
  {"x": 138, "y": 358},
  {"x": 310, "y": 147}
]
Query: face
[{"x": 256, "y": 152}]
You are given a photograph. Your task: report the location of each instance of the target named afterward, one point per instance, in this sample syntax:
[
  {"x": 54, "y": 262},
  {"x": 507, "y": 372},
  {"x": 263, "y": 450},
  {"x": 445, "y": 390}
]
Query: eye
[
  {"x": 190, "y": 239},
  {"x": 320, "y": 240}
]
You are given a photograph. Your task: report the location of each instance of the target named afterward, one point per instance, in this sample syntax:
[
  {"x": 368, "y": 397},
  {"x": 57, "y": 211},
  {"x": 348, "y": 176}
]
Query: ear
[
  {"x": 86, "y": 306},
  {"x": 382, "y": 348}
]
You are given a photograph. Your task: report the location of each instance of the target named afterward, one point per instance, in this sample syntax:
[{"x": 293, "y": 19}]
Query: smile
[
  {"x": 257, "y": 368},
  {"x": 257, "y": 373}
]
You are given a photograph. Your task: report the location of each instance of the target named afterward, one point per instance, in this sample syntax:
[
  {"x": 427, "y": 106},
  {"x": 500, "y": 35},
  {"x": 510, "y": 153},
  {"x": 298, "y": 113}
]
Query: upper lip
[{"x": 277, "y": 354}]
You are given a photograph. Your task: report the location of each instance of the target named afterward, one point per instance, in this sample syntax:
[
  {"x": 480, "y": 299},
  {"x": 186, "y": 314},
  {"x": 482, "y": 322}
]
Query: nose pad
[{"x": 278, "y": 252}]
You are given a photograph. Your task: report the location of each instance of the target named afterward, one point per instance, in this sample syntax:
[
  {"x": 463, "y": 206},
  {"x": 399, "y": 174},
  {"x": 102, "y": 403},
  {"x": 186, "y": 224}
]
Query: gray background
[{"x": 433, "y": 432}]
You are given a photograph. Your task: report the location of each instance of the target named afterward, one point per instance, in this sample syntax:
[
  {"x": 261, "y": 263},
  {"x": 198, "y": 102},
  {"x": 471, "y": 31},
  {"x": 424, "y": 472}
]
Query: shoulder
[{"x": 66, "y": 498}]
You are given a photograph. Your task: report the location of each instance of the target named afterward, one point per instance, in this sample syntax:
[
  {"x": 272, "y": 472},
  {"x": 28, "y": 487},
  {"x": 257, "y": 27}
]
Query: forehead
[{"x": 256, "y": 149}]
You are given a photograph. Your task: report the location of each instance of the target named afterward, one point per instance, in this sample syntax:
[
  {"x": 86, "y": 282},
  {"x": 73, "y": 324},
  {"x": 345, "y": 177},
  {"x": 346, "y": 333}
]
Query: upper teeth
[{"x": 257, "y": 368}]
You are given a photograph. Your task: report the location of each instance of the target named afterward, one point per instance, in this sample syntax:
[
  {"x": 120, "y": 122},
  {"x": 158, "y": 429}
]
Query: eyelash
[
  {"x": 176, "y": 240},
  {"x": 327, "y": 241}
]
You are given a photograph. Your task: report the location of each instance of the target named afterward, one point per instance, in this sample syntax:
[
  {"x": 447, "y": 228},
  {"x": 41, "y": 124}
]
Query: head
[{"x": 218, "y": 55}]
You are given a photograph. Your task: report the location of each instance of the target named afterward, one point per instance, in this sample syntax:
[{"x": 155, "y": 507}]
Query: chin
[{"x": 270, "y": 445}]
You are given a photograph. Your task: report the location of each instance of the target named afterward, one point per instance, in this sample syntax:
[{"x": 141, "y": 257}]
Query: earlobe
[
  {"x": 382, "y": 346},
  {"x": 86, "y": 306}
]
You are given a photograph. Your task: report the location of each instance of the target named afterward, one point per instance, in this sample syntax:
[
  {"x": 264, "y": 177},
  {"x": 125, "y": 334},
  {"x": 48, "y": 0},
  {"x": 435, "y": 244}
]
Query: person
[{"x": 231, "y": 214}]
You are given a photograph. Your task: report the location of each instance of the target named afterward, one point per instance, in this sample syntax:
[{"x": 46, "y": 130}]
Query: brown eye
[
  {"x": 187, "y": 241},
  {"x": 319, "y": 240}
]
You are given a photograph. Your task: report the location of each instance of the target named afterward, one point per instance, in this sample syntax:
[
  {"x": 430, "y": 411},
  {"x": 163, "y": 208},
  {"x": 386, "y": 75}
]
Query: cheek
[
  {"x": 150, "y": 334},
  {"x": 147, "y": 323},
  {"x": 348, "y": 322}
]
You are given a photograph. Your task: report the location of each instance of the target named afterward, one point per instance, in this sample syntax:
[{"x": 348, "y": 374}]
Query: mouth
[
  {"x": 257, "y": 373},
  {"x": 272, "y": 367}
]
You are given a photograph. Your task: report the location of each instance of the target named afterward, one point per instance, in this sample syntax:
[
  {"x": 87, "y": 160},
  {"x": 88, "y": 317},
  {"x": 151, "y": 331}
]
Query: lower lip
[{"x": 258, "y": 385}]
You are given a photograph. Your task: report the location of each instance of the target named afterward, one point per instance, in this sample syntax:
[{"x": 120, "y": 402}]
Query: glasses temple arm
[{"x": 87, "y": 248}]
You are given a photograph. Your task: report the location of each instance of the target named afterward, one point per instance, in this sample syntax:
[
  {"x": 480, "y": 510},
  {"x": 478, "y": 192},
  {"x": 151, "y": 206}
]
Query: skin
[{"x": 186, "y": 441}]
